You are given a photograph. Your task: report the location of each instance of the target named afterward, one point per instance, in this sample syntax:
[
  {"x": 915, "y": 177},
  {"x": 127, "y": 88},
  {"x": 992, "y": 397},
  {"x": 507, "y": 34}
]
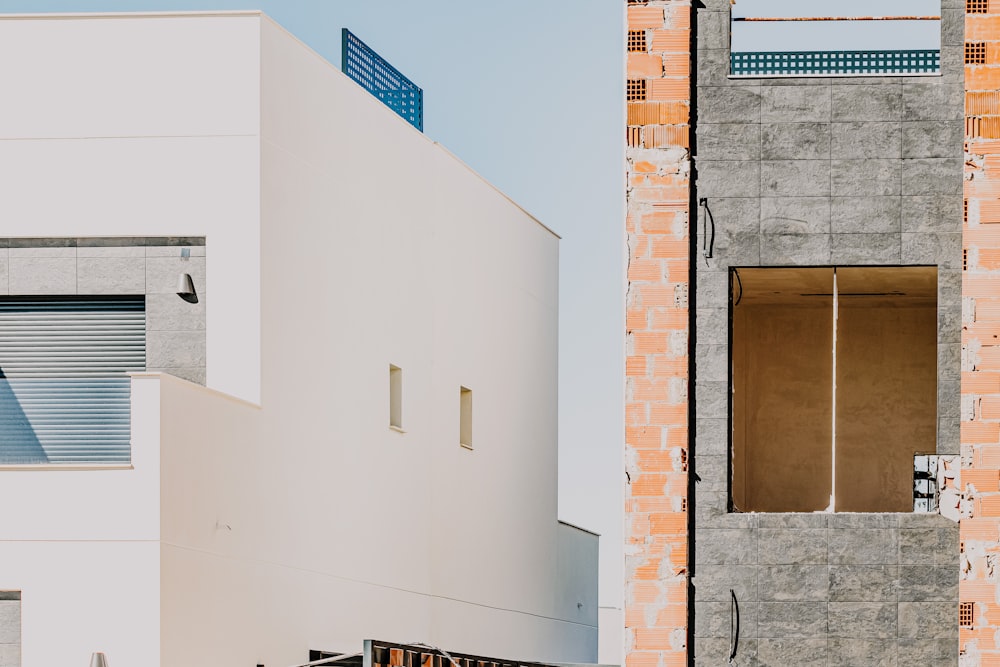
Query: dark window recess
[
  {"x": 834, "y": 386},
  {"x": 977, "y": 6},
  {"x": 635, "y": 90},
  {"x": 975, "y": 53}
]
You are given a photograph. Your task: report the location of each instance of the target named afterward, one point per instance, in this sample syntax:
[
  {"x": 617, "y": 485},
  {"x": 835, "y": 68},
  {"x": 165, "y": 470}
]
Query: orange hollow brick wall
[
  {"x": 979, "y": 588},
  {"x": 656, "y": 437}
]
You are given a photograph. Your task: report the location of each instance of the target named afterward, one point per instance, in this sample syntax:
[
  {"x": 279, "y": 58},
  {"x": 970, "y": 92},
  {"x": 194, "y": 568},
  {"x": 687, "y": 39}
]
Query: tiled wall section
[
  {"x": 175, "y": 328},
  {"x": 824, "y": 171},
  {"x": 980, "y": 533},
  {"x": 10, "y": 629},
  {"x": 656, "y": 434}
]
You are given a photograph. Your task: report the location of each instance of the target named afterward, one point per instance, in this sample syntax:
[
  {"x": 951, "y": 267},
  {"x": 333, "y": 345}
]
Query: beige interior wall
[
  {"x": 783, "y": 422},
  {"x": 886, "y": 400}
]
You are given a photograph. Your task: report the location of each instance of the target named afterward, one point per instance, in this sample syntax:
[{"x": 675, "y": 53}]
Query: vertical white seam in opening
[{"x": 833, "y": 402}]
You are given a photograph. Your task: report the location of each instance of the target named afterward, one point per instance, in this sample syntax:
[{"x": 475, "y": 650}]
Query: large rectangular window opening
[{"x": 834, "y": 386}]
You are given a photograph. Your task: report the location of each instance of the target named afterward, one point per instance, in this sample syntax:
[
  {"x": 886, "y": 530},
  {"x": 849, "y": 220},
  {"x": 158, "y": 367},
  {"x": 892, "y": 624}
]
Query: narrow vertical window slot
[
  {"x": 395, "y": 397},
  {"x": 465, "y": 417}
]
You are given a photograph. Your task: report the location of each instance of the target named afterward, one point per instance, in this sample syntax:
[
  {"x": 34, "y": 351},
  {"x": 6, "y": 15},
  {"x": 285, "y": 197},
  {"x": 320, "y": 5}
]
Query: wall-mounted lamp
[
  {"x": 98, "y": 660},
  {"x": 185, "y": 288}
]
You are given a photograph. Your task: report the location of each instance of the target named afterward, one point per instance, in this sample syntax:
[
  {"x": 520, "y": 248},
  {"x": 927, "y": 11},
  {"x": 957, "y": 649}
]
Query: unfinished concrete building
[{"x": 813, "y": 333}]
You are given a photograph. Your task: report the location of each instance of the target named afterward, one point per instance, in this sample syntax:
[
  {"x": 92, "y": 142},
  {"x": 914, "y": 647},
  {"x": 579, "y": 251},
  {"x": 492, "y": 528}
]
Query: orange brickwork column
[
  {"x": 979, "y": 588},
  {"x": 658, "y": 93}
]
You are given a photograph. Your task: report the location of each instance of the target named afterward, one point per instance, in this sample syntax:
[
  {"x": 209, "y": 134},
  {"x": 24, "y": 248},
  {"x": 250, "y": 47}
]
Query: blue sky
[{"x": 529, "y": 93}]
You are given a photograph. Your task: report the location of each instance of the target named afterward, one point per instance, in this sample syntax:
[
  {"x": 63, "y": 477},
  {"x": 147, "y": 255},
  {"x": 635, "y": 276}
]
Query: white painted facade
[{"x": 274, "y": 511}]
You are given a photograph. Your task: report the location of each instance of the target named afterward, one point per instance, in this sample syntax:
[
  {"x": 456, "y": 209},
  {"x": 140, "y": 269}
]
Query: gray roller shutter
[{"x": 64, "y": 392}]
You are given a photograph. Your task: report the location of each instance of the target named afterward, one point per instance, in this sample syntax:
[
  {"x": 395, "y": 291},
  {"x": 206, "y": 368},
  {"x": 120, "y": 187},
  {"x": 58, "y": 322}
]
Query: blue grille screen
[{"x": 382, "y": 80}]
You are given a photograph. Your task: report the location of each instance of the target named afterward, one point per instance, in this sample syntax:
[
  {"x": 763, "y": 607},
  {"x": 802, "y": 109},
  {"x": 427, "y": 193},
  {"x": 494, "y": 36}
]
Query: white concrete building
[{"x": 274, "y": 510}]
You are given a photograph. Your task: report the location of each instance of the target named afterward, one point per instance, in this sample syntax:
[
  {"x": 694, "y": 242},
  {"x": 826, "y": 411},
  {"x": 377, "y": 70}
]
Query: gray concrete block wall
[
  {"x": 805, "y": 172},
  {"x": 10, "y": 629},
  {"x": 175, "y": 328}
]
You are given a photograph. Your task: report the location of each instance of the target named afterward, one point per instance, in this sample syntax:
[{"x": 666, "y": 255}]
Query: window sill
[
  {"x": 465, "y": 446},
  {"x": 397, "y": 429}
]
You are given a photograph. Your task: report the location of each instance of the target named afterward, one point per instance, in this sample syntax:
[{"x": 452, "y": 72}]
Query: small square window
[{"x": 465, "y": 417}]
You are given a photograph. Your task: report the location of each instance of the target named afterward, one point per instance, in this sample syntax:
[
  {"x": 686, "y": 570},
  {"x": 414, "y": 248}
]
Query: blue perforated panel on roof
[{"x": 382, "y": 80}]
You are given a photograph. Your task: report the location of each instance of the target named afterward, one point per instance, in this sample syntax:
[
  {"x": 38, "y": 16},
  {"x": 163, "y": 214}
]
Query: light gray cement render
[
  {"x": 175, "y": 328},
  {"x": 816, "y": 172}
]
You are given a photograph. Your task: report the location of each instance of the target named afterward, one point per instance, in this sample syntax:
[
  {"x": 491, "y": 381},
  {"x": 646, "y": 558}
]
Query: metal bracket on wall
[
  {"x": 708, "y": 242},
  {"x": 734, "y": 626}
]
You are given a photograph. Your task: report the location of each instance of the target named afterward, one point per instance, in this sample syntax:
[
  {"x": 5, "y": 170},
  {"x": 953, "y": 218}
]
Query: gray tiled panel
[
  {"x": 713, "y": 326},
  {"x": 10, "y": 655},
  {"x": 944, "y": 250},
  {"x": 713, "y": 582},
  {"x": 852, "y": 546},
  {"x": 735, "y": 249},
  {"x": 792, "y": 619},
  {"x": 169, "y": 312},
  {"x": 934, "y": 213},
  {"x": 162, "y": 273},
  {"x": 10, "y": 621},
  {"x": 4, "y": 271},
  {"x": 927, "y": 620},
  {"x": 932, "y": 176},
  {"x": 795, "y": 178},
  {"x": 865, "y": 249},
  {"x": 194, "y": 374},
  {"x": 111, "y": 251},
  {"x": 867, "y": 103},
  {"x": 794, "y": 215},
  {"x": 792, "y": 583},
  {"x": 728, "y": 141},
  {"x": 800, "y": 141},
  {"x": 728, "y": 104},
  {"x": 872, "y": 620},
  {"x": 725, "y": 547},
  {"x": 712, "y": 289},
  {"x": 43, "y": 250},
  {"x": 795, "y": 249},
  {"x": 866, "y": 178},
  {"x": 42, "y": 275},
  {"x": 714, "y": 651},
  {"x": 713, "y": 30},
  {"x": 953, "y": 26},
  {"x": 712, "y": 362},
  {"x": 933, "y": 138},
  {"x": 861, "y": 521},
  {"x": 175, "y": 349},
  {"x": 712, "y": 436},
  {"x": 712, "y": 397},
  {"x": 770, "y": 521},
  {"x": 800, "y": 547},
  {"x": 921, "y": 583},
  {"x": 728, "y": 178},
  {"x": 795, "y": 104},
  {"x": 785, "y": 652},
  {"x": 863, "y": 583},
  {"x": 925, "y": 100},
  {"x": 861, "y": 653},
  {"x": 864, "y": 140},
  {"x": 733, "y": 216},
  {"x": 714, "y": 619},
  {"x": 711, "y": 471},
  {"x": 866, "y": 215},
  {"x": 111, "y": 275},
  {"x": 928, "y": 652}
]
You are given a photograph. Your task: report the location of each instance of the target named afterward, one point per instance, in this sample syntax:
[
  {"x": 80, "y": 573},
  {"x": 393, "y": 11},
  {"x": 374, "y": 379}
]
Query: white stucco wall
[{"x": 275, "y": 509}]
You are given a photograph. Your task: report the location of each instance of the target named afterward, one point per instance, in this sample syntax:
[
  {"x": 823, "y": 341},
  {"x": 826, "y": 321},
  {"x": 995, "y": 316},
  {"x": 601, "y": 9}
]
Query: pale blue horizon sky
[{"x": 530, "y": 95}]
